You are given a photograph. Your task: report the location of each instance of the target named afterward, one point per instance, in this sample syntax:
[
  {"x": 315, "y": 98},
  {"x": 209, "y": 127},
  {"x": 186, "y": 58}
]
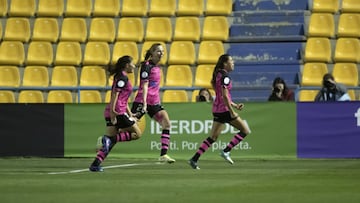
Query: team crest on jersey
[
  {"x": 144, "y": 74},
  {"x": 226, "y": 80},
  {"x": 120, "y": 83}
]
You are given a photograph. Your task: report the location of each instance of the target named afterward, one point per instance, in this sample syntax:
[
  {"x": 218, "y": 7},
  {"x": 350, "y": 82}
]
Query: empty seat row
[
  {"x": 323, "y": 25},
  {"x": 104, "y": 29},
  {"x": 346, "y": 73},
  {"x": 84, "y": 96},
  {"x": 114, "y": 7},
  {"x": 99, "y": 53},
  {"x": 333, "y": 6},
  {"x": 95, "y": 76},
  {"x": 319, "y": 49}
]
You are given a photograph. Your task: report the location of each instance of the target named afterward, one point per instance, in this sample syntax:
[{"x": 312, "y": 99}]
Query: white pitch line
[{"x": 104, "y": 167}]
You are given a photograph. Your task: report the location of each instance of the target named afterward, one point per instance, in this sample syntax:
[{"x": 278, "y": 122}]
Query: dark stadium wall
[{"x": 32, "y": 130}]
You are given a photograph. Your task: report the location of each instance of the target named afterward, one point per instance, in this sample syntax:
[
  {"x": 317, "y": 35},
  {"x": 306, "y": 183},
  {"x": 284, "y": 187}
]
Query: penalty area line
[{"x": 104, "y": 167}]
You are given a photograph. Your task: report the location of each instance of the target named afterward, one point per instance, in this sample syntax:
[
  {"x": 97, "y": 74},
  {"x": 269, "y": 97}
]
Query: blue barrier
[
  {"x": 266, "y": 53},
  {"x": 246, "y": 17},
  {"x": 241, "y": 5},
  {"x": 267, "y": 32}
]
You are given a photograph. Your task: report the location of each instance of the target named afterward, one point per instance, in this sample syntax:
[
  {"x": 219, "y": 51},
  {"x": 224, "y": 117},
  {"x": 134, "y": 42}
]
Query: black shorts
[
  {"x": 123, "y": 121},
  {"x": 151, "y": 109},
  {"x": 223, "y": 117}
]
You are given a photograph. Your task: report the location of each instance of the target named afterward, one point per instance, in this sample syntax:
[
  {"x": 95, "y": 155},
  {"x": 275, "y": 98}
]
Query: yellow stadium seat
[
  {"x": 307, "y": 95},
  {"x": 50, "y": 8},
  {"x": 175, "y": 96},
  {"x": 17, "y": 29},
  {"x": 9, "y": 76},
  {"x": 146, "y": 46},
  {"x": 79, "y": 8},
  {"x": 349, "y": 25},
  {"x": 40, "y": 53},
  {"x": 59, "y": 96},
  {"x": 321, "y": 25},
  {"x": 108, "y": 96},
  {"x": 313, "y": 73},
  {"x": 22, "y": 8},
  {"x": 209, "y": 51},
  {"x": 64, "y": 76},
  {"x": 93, "y": 76},
  {"x": 7, "y": 96},
  {"x": 3, "y": 7},
  {"x": 96, "y": 53},
  {"x": 190, "y": 8},
  {"x": 73, "y": 29},
  {"x": 122, "y": 48},
  {"x": 347, "y": 50},
  {"x": 102, "y": 29},
  {"x": 346, "y": 73},
  {"x": 350, "y": 6},
  {"x": 36, "y": 76},
  {"x": 215, "y": 28},
  {"x": 131, "y": 77},
  {"x": 158, "y": 29},
  {"x": 130, "y": 29},
  {"x": 134, "y": 8},
  {"x": 68, "y": 53},
  {"x": 318, "y": 49},
  {"x": 179, "y": 75},
  {"x": 216, "y": 7},
  {"x": 187, "y": 29},
  {"x": 89, "y": 96},
  {"x": 109, "y": 8},
  {"x": 203, "y": 75},
  {"x": 45, "y": 29},
  {"x": 182, "y": 53},
  {"x": 326, "y": 6},
  {"x": 162, "y": 8},
  {"x": 31, "y": 96},
  {"x": 12, "y": 53},
  {"x": 352, "y": 94}
]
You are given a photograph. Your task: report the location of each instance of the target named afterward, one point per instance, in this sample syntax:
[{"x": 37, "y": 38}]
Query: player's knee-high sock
[
  {"x": 203, "y": 147},
  {"x": 236, "y": 140},
  {"x": 165, "y": 140},
  {"x": 123, "y": 137},
  {"x": 100, "y": 157}
]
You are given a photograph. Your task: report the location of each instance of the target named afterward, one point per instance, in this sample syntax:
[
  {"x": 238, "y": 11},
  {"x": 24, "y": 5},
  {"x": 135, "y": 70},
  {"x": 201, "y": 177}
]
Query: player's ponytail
[{"x": 219, "y": 66}]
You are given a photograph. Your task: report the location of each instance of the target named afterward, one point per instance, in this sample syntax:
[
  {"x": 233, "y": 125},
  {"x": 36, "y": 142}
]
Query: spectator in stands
[
  {"x": 280, "y": 91},
  {"x": 204, "y": 95},
  {"x": 147, "y": 99},
  {"x": 117, "y": 113},
  {"x": 331, "y": 90},
  {"x": 223, "y": 112}
]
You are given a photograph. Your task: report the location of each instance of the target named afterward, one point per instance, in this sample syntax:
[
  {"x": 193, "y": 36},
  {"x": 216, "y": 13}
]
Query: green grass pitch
[{"x": 142, "y": 180}]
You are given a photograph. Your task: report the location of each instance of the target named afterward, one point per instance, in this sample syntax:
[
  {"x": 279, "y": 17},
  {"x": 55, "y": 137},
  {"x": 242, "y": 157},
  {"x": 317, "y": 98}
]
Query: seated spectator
[
  {"x": 204, "y": 95},
  {"x": 331, "y": 90},
  {"x": 280, "y": 92}
]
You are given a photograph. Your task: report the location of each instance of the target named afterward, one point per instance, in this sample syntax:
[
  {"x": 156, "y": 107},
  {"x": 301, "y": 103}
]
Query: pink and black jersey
[
  {"x": 223, "y": 80},
  {"x": 151, "y": 73},
  {"x": 122, "y": 85}
]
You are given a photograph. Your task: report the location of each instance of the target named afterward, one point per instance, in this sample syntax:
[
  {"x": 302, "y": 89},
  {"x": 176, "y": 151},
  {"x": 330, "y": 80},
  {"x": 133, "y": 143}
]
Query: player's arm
[
  {"x": 113, "y": 112},
  {"x": 145, "y": 92}
]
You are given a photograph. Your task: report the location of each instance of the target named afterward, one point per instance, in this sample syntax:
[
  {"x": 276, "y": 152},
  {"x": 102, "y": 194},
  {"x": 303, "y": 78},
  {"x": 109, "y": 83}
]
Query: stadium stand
[
  {"x": 346, "y": 73},
  {"x": 9, "y": 76},
  {"x": 209, "y": 52},
  {"x": 31, "y": 96},
  {"x": 179, "y": 75},
  {"x": 175, "y": 96},
  {"x": 266, "y": 38},
  {"x": 313, "y": 73},
  {"x": 93, "y": 76},
  {"x": 40, "y": 53},
  {"x": 307, "y": 95},
  {"x": 89, "y": 96},
  {"x": 64, "y": 76}
]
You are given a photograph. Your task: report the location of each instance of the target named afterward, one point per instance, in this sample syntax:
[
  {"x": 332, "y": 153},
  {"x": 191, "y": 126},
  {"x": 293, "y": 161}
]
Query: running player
[
  {"x": 117, "y": 113},
  {"x": 223, "y": 111},
  {"x": 147, "y": 99}
]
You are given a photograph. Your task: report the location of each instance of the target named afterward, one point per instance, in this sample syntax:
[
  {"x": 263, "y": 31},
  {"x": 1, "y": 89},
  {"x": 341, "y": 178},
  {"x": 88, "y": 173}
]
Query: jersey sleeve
[
  {"x": 225, "y": 79},
  {"x": 120, "y": 83},
  {"x": 145, "y": 71}
]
